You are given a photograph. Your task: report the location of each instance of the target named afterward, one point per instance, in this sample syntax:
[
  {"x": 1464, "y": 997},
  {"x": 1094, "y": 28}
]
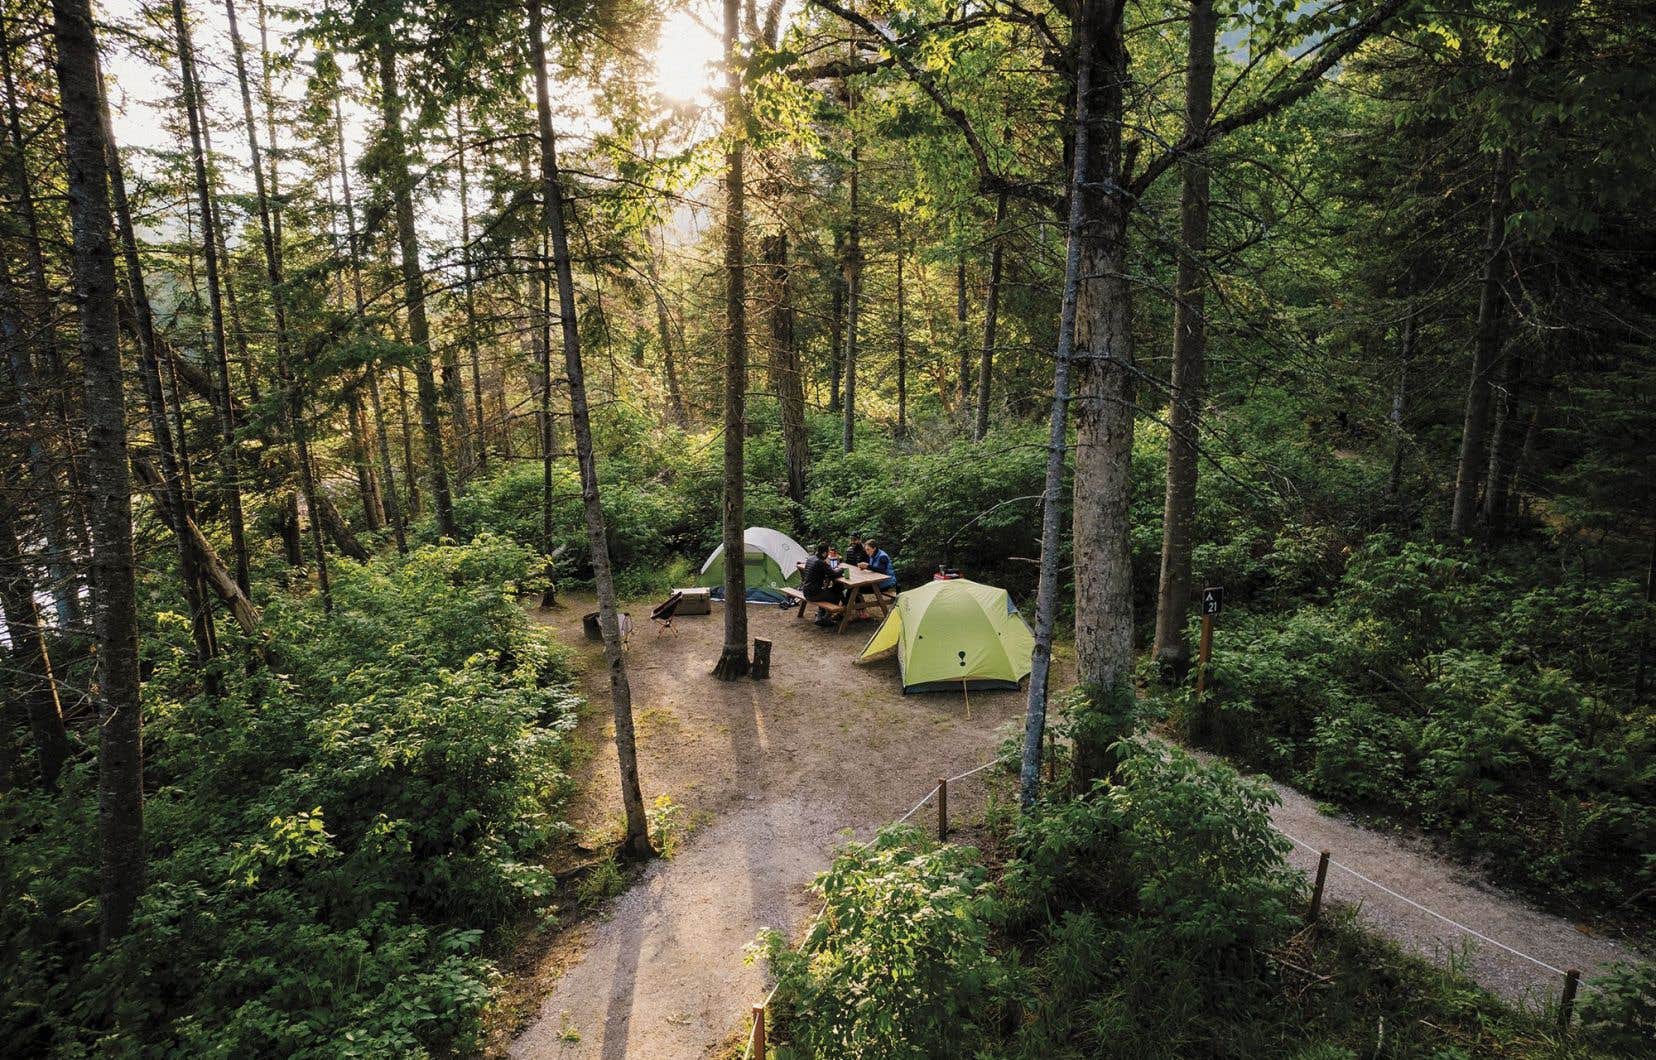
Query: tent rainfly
[
  {"x": 770, "y": 558},
  {"x": 953, "y": 634}
]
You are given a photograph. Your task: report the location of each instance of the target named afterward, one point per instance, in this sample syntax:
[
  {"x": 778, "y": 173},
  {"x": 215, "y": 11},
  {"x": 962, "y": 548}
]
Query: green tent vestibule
[
  {"x": 770, "y": 559},
  {"x": 955, "y": 633}
]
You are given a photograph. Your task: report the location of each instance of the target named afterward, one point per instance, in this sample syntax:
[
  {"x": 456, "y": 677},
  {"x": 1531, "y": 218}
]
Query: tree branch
[
  {"x": 989, "y": 181},
  {"x": 1300, "y": 87}
]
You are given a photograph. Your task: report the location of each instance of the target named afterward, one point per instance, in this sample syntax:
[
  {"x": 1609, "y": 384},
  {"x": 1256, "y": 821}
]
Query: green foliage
[
  {"x": 328, "y": 838},
  {"x": 1148, "y": 919},
  {"x": 898, "y": 965},
  {"x": 1433, "y": 688}
]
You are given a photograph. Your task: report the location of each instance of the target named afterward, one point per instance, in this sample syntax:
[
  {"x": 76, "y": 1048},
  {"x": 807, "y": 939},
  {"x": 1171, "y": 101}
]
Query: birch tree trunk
[
  {"x": 115, "y": 612},
  {"x": 733, "y": 659},
  {"x": 637, "y": 843},
  {"x": 1400, "y": 397},
  {"x": 1189, "y": 356},
  {"x": 1046, "y": 598}
]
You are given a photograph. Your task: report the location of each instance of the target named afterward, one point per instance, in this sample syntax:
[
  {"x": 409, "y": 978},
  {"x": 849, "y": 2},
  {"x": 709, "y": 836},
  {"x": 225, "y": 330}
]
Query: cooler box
[{"x": 695, "y": 602}]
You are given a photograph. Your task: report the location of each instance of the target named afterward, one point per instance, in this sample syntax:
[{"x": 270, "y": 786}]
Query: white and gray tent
[{"x": 770, "y": 558}]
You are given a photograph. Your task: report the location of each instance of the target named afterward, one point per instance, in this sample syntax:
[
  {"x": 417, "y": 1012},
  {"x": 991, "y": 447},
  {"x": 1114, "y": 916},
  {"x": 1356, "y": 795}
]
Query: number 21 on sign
[{"x": 1213, "y": 601}]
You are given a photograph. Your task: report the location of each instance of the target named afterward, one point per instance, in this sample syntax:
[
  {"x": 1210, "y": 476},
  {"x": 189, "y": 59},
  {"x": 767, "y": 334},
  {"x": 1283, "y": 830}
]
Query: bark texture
[
  {"x": 637, "y": 843},
  {"x": 419, "y": 330},
  {"x": 1189, "y": 356},
  {"x": 1103, "y": 402},
  {"x": 733, "y": 658},
  {"x": 115, "y": 613}
]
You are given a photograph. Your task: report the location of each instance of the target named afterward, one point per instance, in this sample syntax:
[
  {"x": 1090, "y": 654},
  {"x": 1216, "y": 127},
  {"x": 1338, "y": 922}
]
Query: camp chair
[{"x": 665, "y": 611}]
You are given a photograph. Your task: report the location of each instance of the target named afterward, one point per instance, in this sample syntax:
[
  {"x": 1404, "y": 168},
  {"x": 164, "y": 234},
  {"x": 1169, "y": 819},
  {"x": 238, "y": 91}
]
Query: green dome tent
[
  {"x": 771, "y": 559},
  {"x": 952, "y": 633}
]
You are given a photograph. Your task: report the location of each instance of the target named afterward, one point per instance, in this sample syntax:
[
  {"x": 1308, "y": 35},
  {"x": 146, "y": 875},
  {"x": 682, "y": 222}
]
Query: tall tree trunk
[
  {"x": 1405, "y": 359},
  {"x": 1104, "y": 403},
  {"x": 991, "y": 317},
  {"x": 55, "y": 516},
  {"x": 664, "y": 326},
  {"x": 388, "y": 479},
  {"x": 290, "y": 381},
  {"x": 963, "y": 395},
  {"x": 480, "y": 439},
  {"x": 176, "y": 505},
  {"x": 853, "y": 291},
  {"x": 902, "y": 340},
  {"x": 115, "y": 610},
  {"x": 33, "y": 683},
  {"x": 637, "y": 843},
  {"x": 1486, "y": 347},
  {"x": 1172, "y": 651},
  {"x": 419, "y": 331},
  {"x": 836, "y": 325},
  {"x": 733, "y": 659},
  {"x": 1046, "y": 597},
  {"x": 784, "y": 367}
]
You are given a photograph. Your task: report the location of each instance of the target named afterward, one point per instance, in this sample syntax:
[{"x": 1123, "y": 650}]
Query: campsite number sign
[{"x": 1213, "y": 599}]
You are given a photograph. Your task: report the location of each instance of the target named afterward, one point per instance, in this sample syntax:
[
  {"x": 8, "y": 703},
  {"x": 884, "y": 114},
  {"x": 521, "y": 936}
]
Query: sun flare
[{"x": 686, "y": 55}]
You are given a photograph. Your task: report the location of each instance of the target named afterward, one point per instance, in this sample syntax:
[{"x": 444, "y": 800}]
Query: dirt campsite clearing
[{"x": 773, "y": 775}]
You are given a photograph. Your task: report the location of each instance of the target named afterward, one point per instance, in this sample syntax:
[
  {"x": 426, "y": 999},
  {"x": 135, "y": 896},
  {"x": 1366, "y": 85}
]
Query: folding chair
[{"x": 665, "y": 611}]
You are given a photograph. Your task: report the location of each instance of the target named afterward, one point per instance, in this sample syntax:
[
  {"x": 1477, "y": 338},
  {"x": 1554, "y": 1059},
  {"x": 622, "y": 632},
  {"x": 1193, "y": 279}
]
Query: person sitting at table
[
  {"x": 879, "y": 561},
  {"x": 856, "y": 555},
  {"x": 818, "y": 584}
]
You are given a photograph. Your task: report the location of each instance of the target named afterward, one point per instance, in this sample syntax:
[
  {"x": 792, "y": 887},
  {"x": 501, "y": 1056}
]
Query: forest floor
[{"x": 772, "y": 776}]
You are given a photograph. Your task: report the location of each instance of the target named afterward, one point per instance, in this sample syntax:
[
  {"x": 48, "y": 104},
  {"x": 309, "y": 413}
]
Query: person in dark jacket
[
  {"x": 857, "y": 554},
  {"x": 819, "y": 585},
  {"x": 880, "y": 562}
]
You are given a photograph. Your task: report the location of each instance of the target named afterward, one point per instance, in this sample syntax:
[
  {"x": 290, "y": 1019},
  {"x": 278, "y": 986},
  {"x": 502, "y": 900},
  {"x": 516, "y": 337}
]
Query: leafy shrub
[
  {"x": 1430, "y": 688},
  {"x": 328, "y": 837},
  {"x": 898, "y": 965}
]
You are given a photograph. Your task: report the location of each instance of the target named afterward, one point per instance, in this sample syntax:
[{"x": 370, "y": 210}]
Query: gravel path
[
  {"x": 1407, "y": 867},
  {"x": 784, "y": 771}
]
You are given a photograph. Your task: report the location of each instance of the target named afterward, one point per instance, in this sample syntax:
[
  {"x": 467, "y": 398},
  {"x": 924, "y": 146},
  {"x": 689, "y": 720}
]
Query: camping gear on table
[
  {"x": 954, "y": 634},
  {"x": 771, "y": 560}
]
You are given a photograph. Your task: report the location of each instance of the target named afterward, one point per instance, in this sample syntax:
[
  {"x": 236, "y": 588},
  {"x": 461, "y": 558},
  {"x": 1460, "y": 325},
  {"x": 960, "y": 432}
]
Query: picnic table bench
[{"x": 865, "y": 594}]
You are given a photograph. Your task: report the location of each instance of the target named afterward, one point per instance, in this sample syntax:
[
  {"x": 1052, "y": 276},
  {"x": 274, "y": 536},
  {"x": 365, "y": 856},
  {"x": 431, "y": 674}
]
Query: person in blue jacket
[{"x": 879, "y": 561}]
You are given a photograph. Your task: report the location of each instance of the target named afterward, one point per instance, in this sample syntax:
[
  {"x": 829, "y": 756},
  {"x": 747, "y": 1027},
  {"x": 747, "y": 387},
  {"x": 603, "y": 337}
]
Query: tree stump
[{"x": 761, "y": 659}]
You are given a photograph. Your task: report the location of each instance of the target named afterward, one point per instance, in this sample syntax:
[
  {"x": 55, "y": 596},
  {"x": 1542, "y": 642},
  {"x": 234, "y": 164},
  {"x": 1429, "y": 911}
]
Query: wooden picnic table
[{"x": 863, "y": 591}]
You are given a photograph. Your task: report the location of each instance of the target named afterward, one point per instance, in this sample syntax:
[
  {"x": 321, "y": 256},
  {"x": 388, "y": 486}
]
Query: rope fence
[{"x": 756, "y": 1042}]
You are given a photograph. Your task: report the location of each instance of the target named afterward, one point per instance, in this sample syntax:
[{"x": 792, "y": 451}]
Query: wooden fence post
[
  {"x": 942, "y": 809},
  {"x": 759, "y": 1032},
  {"x": 1566, "y": 1004},
  {"x": 1317, "y": 888}
]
